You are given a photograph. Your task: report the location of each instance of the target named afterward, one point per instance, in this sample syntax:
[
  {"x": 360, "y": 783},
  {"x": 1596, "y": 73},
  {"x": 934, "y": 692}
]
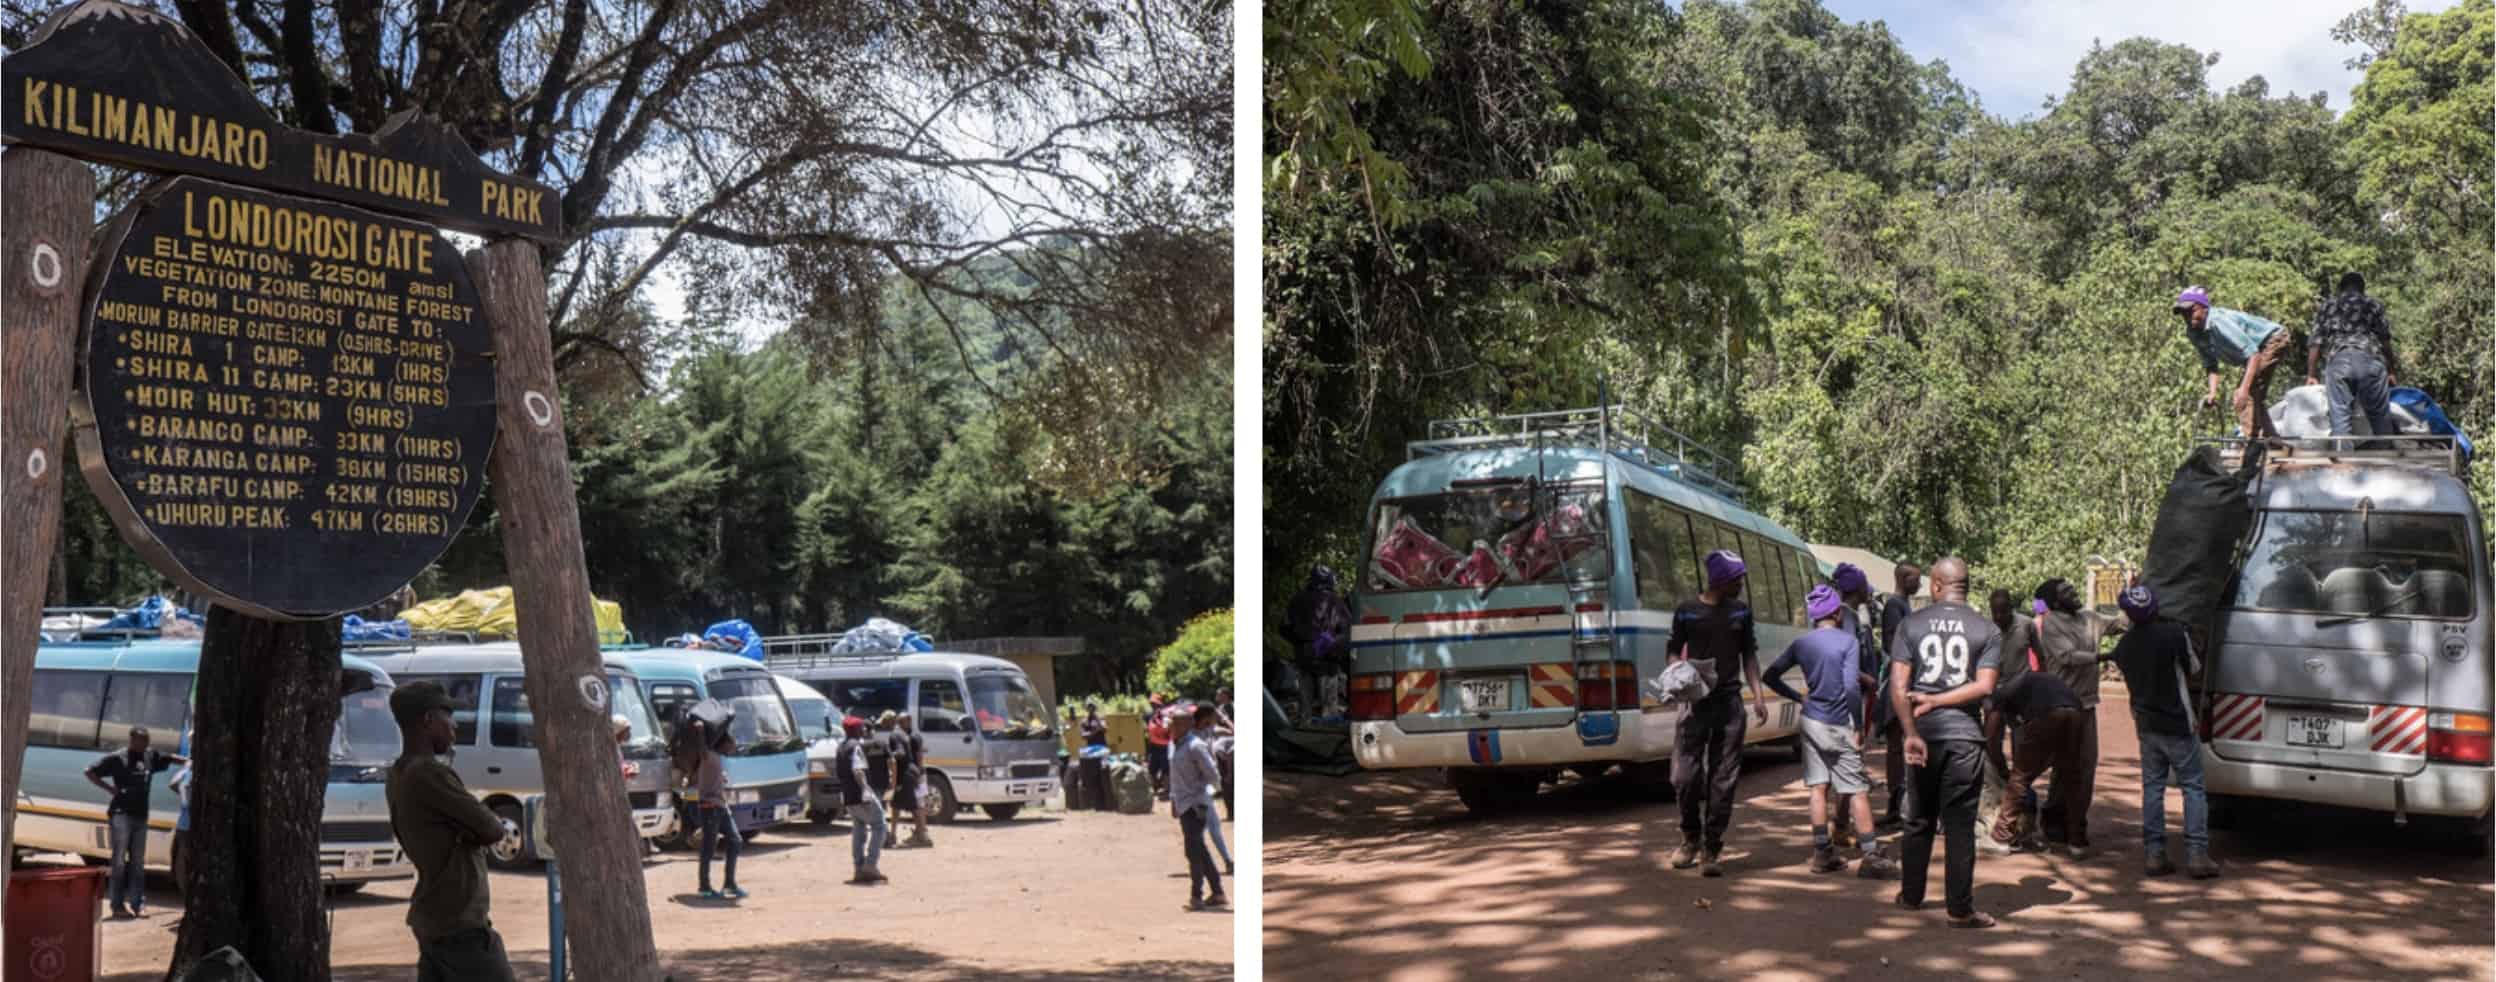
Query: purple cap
[
  {"x": 2037, "y": 607},
  {"x": 1850, "y": 579},
  {"x": 1723, "y": 567},
  {"x": 1820, "y": 602},
  {"x": 2138, "y": 603},
  {"x": 2192, "y": 295}
]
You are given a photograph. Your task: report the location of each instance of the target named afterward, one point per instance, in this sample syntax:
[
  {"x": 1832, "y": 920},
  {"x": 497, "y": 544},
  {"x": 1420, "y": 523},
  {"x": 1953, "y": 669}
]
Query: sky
[{"x": 2015, "y": 53}]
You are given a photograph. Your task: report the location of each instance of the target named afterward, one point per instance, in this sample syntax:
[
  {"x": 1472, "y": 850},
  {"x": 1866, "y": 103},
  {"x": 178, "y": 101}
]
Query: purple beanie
[
  {"x": 2139, "y": 604},
  {"x": 1850, "y": 579},
  {"x": 1723, "y": 567},
  {"x": 2192, "y": 295},
  {"x": 1820, "y": 602}
]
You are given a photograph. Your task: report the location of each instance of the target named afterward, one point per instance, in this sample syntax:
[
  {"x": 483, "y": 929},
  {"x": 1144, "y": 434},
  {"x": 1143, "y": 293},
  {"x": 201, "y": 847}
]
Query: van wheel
[
  {"x": 941, "y": 804},
  {"x": 1002, "y": 813},
  {"x": 510, "y": 852}
]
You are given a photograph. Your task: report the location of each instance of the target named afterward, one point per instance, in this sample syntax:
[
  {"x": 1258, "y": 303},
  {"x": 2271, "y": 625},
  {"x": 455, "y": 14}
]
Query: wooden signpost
[{"x": 287, "y": 389}]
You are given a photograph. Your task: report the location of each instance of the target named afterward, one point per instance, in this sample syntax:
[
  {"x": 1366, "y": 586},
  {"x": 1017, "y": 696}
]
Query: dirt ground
[
  {"x": 1052, "y": 895},
  {"x": 1383, "y": 875}
]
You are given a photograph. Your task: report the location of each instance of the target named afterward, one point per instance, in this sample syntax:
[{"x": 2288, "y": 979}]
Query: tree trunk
[
  {"x": 267, "y": 700},
  {"x": 50, "y": 203}
]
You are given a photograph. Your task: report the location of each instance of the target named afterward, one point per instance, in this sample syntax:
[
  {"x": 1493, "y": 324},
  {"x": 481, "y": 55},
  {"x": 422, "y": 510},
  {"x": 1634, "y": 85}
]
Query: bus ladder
[{"x": 1593, "y": 656}]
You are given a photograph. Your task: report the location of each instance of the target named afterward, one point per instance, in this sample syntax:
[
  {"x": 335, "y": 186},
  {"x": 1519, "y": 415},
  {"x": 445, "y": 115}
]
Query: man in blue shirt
[
  {"x": 2237, "y": 338},
  {"x": 1832, "y": 728}
]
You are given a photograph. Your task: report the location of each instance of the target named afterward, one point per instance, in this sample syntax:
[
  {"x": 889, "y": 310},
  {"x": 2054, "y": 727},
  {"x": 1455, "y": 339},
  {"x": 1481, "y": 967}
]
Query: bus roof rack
[
  {"x": 2431, "y": 450},
  {"x": 1623, "y": 433},
  {"x": 792, "y": 652}
]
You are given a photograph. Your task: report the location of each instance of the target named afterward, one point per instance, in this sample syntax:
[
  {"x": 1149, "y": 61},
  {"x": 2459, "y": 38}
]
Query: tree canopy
[{"x": 1926, "y": 329}]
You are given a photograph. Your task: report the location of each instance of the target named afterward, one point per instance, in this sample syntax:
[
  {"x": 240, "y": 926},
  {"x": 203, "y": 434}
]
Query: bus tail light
[
  {"x": 1607, "y": 685},
  {"x": 2461, "y": 738},
  {"x": 1373, "y": 696}
]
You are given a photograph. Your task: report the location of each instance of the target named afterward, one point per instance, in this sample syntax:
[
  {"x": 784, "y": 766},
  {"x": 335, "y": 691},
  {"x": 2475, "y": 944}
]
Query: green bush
[
  {"x": 1199, "y": 662},
  {"x": 1112, "y": 703}
]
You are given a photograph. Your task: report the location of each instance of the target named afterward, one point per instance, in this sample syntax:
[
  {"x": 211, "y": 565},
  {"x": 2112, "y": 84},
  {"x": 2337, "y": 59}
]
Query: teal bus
[
  {"x": 86, "y": 697},
  {"x": 1517, "y": 585},
  {"x": 767, "y": 774}
]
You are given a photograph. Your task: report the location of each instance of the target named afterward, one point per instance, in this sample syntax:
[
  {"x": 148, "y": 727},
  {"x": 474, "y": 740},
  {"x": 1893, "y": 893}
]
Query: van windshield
[
  {"x": 1008, "y": 709},
  {"x": 762, "y": 724},
  {"x": 2401, "y": 564},
  {"x": 1484, "y": 536}
]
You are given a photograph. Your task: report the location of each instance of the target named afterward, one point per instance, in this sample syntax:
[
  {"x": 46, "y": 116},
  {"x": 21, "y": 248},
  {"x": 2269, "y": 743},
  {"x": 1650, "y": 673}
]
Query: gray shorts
[{"x": 1832, "y": 756}]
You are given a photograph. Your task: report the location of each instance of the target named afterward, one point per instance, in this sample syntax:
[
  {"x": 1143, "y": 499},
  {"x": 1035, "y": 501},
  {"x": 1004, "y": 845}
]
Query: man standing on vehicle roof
[
  {"x": 2155, "y": 657},
  {"x": 1894, "y": 610},
  {"x": 1944, "y": 659},
  {"x": 2353, "y": 343},
  {"x": 2066, "y": 638},
  {"x": 2223, "y": 334},
  {"x": 1832, "y": 729},
  {"x": 127, "y": 777},
  {"x": 1715, "y": 631},
  {"x": 445, "y": 831}
]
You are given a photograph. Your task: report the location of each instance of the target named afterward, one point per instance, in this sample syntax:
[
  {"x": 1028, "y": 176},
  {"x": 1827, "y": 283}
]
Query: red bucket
[{"x": 55, "y": 926}]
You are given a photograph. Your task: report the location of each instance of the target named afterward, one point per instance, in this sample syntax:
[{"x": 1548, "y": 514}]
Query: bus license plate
[
  {"x": 2313, "y": 731},
  {"x": 1484, "y": 695},
  {"x": 358, "y": 860}
]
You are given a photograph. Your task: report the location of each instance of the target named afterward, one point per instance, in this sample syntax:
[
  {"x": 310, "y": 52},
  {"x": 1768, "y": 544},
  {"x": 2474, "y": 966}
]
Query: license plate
[
  {"x": 787, "y": 812},
  {"x": 1484, "y": 695},
  {"x": 745, "y": 797},
  {"x": 359, "y": 859},
  {"x": 2313, "y": 731}
]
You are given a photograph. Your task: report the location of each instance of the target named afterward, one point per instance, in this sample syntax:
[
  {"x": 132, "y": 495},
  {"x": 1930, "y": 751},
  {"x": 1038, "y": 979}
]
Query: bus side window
[
  {"x": 513, "y": 723},
  {"x": 64, "y": 708},
  {"x": 1660, "y": 548},
  {"x": 940, "y": 706},
  {"x": 1765, "y": 582},
  {"x": 157, "y": 701}
]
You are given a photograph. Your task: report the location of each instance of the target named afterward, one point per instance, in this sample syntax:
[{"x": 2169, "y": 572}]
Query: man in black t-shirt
[
  {"x": 2155, "y": 656},
  {"x": 1715, "y": 631},
  {"x": 1895, "y": 609},
  {"x": 127, "y": 777},
  {"x": 909, "y": 772},
  {"x": 2050, "y": 727},
  {"x": 1943, "y": 660}
]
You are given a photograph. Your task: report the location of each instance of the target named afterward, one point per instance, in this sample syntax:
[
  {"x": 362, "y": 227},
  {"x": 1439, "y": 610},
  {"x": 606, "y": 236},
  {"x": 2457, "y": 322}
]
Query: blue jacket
[{"x": 2231, "y": 336}]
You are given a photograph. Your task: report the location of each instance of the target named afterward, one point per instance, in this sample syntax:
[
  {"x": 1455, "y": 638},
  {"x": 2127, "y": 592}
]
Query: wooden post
[
  {"x": 606, "y": 908},
  {"x": 50, "y": 203}
]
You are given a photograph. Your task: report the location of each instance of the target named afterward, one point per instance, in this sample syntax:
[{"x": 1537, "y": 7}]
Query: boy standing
[
  {"x": 2154, "y": 658},
  {"x": 1832, "y": 721}
]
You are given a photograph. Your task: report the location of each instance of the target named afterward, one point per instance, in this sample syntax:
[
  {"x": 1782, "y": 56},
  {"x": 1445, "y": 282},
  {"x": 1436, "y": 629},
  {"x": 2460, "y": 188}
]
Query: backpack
[{"x": 879, "y": 751}]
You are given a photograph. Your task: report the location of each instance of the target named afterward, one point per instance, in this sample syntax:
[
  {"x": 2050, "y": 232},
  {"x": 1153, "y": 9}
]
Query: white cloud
[{"x": 2017, "y": 53}]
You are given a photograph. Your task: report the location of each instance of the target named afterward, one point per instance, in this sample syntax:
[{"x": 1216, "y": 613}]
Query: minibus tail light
[
  {"x": 2461, "y": 738},
  {"x": 1373, "y": 696}
]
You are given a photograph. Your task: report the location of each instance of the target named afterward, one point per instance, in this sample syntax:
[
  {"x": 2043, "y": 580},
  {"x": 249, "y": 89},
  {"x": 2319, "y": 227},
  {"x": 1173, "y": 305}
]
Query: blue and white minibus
[
  {"x": 1517, "y": 584},
  {"x": 86, "y": 697},
  {"x": 767, "y": 775}
]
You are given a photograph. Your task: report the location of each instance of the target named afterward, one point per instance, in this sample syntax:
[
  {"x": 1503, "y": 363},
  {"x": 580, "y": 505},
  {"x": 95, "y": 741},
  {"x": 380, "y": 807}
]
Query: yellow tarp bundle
[{"x": 491, "y": 614}]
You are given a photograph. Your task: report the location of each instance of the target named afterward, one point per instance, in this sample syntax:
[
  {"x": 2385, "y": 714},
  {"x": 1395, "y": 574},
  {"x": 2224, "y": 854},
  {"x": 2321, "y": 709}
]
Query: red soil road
[
  {"x": 1383, "y": 875},
  {"x": 1052, "y": 895}
]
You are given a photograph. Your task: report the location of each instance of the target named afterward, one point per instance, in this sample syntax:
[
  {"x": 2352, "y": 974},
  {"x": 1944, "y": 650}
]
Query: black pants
[
  {"x": 1201, "y": 872},
  {"x": 2066, "y": 812},
  {"x": 1707, "y": 762},
  {"x": 1946, "y": 787},
  {"x": 474, "y": 955},
  {"x": 1895, "y": 763}
]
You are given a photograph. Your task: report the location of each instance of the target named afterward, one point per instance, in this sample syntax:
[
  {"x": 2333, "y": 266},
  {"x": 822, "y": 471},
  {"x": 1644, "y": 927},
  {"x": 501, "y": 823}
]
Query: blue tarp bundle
[
  {"x": 748, "y": 641},
  {"x": 149, "y": 615},
  {"x": 358, "y": 629},
  {"x": 2423, "y": 406}
]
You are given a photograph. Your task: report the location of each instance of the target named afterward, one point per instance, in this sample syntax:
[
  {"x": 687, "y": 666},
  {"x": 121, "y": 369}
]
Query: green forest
[
  {"x": 1924, "y": 327},
  {"x": 899, "y": 473}
]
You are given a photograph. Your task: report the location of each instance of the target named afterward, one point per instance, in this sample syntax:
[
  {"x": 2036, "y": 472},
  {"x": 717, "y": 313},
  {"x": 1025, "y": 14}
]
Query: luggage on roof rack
[{"x": 1622, "y": 433}]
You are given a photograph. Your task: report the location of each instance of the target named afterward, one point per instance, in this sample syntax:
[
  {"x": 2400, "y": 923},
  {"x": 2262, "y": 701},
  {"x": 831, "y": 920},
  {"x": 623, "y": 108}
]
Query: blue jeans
[
  {"x": 719, "y": 827},
  {"x": 866, "y": 835},
  {"x": 2353, "y": 386},
  {"x": 2160, "y": 754},
  {"x": 128, "y": 885}
]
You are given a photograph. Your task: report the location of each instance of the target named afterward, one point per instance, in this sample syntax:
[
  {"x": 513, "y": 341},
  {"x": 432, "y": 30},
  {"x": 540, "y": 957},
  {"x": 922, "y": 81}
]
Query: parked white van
[
  {"x": 991, "y": 742},
  {"x": 819, "y": 721},
  {"x": 2355, "y": 663}
]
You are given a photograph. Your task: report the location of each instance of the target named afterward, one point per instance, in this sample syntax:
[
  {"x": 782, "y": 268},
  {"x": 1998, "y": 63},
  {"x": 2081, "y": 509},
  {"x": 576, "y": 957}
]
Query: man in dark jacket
[
  {"x": 445, "y": 831},
  {"x": 1714, "y": 630},
  {"x": 1318, "y": 624},
  {"x": 2155, "y": 657},
  {"x": 1894, "y": 611},
  {"x": 2353, "y": 345}
]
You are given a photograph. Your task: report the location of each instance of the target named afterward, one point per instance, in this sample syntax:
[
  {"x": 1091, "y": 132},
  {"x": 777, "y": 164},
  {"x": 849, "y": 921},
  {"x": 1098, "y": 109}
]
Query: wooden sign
[
  {"x": 110, "y": 82},
  {"x": 287, "y": 405}
]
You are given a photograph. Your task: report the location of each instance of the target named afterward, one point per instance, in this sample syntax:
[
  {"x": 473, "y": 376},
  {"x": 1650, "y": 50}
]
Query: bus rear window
[
  {"x": 2392, "y": 564},
  {"x": 1503, "y": 534}
]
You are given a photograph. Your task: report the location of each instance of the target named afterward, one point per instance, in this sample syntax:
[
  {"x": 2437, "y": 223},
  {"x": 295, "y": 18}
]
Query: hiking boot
[
  {"x": 1888, "y": 824},
  {"x": 921, "y": 841},
  {"x": 1712, "y": 862},
  {"x": 1687, "y": 856},
  {"x": 2157, "y": 864},
  {"x": 1876, "y": 866},
  {"x": 1826, "y": 860},
  {"x": 2080, "y": 852},
  {"x": 2200, "y": 865}
]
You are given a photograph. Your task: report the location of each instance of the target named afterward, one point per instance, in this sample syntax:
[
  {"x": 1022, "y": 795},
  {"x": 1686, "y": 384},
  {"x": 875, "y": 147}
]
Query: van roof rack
[
  {"x": 2436, "y": 451},
  {"x": 792, "y": 652},
  {"x": 1623, "y": 433}
]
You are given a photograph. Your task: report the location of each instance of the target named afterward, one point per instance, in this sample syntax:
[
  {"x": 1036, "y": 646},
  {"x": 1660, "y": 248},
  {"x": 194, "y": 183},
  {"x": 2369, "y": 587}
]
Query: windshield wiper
[{"x": 2369, "y": 615}]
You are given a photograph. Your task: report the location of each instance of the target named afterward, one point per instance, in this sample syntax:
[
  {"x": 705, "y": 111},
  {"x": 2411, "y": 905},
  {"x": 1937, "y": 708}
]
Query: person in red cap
[
  {"x": 1157, "y": 744},
  {"x": 866, "y": 807}
]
